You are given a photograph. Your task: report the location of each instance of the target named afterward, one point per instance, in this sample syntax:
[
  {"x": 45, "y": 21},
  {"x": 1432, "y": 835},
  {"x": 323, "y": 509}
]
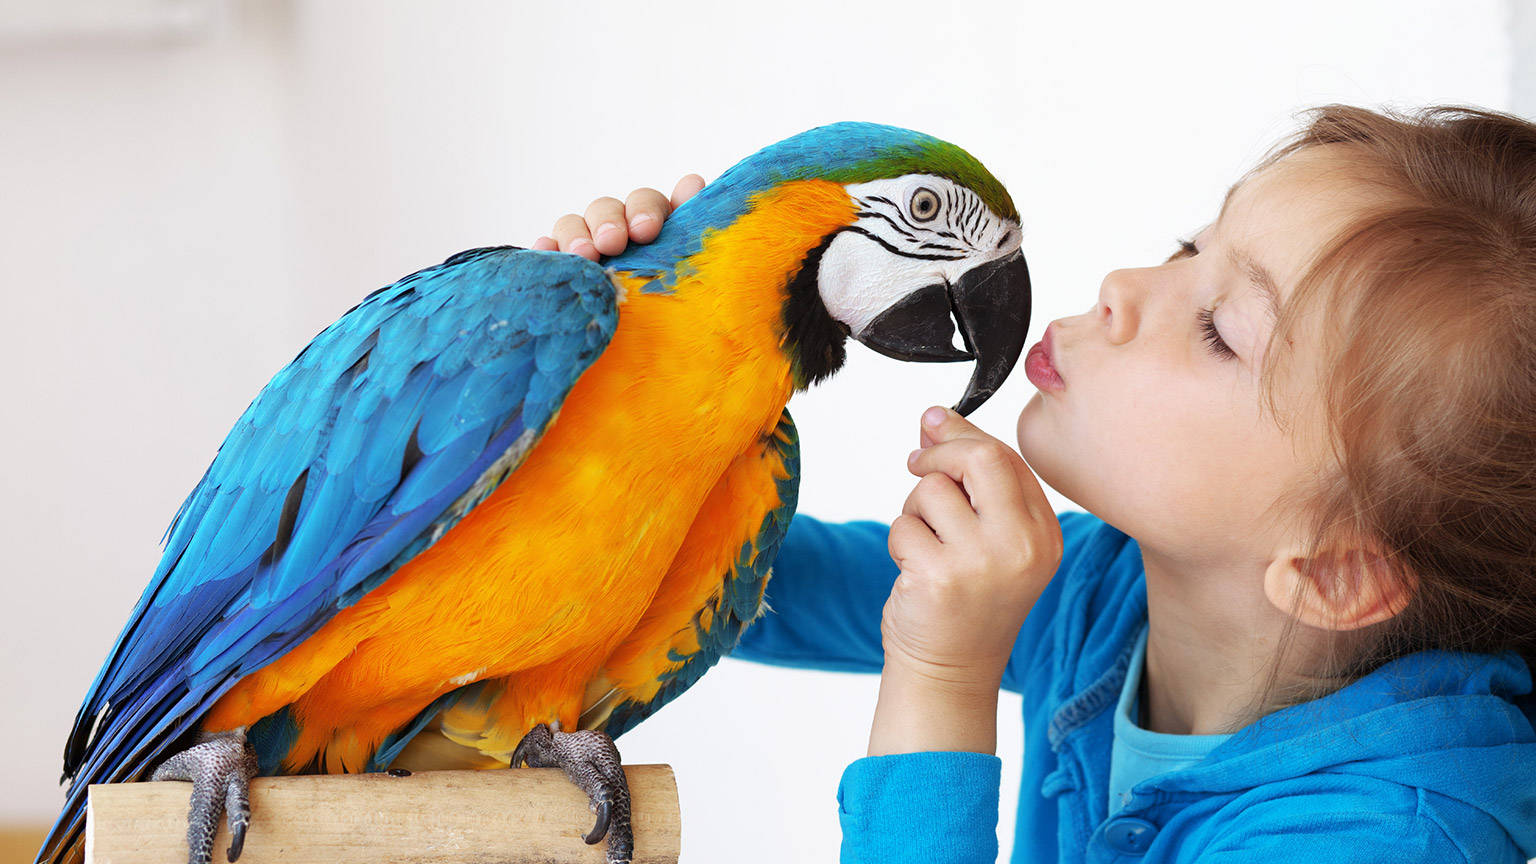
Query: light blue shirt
[{"x": 1140, "y": 754}]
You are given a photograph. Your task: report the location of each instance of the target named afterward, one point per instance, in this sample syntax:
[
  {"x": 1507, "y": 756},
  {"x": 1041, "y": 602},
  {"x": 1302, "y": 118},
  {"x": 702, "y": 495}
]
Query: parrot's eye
[{"x": 924, "y": 205}]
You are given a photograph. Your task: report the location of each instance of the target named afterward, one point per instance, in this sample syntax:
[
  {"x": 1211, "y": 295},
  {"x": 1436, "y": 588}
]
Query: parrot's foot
[
  {"x": 220, "y": 767},
  {"x": 591, "y": 761}
]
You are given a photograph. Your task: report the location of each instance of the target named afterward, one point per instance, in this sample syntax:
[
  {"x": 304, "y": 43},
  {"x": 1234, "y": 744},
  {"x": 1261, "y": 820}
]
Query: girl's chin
[
  {"x": 1032, "y": 431},
  {"x": 1046, "y": 468}
]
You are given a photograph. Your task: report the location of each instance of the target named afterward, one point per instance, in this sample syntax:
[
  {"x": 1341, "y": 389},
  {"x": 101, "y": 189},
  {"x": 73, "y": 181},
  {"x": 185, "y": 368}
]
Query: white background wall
[{"x": 180, "y": 213}]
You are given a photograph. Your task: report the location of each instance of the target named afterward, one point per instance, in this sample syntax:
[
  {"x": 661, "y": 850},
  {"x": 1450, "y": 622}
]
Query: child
[{"x": 1298, "y": 624}]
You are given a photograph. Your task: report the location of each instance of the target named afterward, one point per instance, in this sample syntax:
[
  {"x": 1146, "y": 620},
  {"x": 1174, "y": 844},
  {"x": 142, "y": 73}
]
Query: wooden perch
[{"x": 522, "y": 815}]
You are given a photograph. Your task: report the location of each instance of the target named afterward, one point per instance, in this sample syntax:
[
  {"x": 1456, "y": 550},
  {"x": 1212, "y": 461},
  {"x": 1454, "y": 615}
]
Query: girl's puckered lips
[{"x": 1040, "y": 367}]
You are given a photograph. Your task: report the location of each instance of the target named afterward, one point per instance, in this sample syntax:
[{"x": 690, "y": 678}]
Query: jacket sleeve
[
  {"x": 943, "y": 806},
  {"x": 829, "y": 586},
  {"x": 937, "y": 808}
]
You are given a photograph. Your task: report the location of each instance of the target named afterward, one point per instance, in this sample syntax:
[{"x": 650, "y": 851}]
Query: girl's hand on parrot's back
[
  {"x": 609, "y": 224},
  {"x": 976, "y": 544}
]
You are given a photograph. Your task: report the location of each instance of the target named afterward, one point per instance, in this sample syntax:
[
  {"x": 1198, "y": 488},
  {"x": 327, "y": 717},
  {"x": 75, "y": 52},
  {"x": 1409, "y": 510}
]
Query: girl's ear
[{"x": 1338, "y": 591}]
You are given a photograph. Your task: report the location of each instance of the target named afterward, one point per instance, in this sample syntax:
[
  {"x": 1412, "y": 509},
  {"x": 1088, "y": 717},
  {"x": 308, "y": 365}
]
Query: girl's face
[{"x": 1150, "y": 412}]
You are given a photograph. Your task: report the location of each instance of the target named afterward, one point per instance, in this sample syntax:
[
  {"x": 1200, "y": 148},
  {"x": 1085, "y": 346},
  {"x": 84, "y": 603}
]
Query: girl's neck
[{"x": 1212, "y": 641}]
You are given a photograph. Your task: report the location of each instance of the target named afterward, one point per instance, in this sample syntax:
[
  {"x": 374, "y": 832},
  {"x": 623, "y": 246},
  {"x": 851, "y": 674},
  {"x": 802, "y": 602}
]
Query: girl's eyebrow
[{"x": 1260, "y": 277}]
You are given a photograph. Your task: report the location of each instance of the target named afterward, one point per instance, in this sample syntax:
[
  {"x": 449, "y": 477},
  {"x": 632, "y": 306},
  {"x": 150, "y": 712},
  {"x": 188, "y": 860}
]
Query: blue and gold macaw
[{"x": 507, "y": 507}]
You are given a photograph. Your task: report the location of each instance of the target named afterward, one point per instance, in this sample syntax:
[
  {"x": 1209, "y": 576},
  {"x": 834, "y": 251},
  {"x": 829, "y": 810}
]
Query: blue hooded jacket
[{"x": 1430, "y": 758}]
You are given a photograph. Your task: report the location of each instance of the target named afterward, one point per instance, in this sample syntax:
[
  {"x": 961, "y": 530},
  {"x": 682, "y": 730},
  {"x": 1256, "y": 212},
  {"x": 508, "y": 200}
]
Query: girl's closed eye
[
  {"x": 1212, "y": 336},
  {"x": 1205, "y": 317}
]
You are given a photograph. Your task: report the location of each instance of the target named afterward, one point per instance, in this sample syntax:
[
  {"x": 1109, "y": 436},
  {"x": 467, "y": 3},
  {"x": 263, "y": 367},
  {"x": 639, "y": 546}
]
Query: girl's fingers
[
  {"x": 942, "y": 506},
  {"x": 645, "y": 210},
  {"x": 571, "y": 235},
  {"x": 923, "y": 441},
  {"x": 988, "y": 470},
  {"x": 942, "y": 424},
  {"x": 686, "y": 188},
  {"x": 982, "y": 469},
  {"x": 910, "y": 538},
  {"x": 607, "y": 226}
]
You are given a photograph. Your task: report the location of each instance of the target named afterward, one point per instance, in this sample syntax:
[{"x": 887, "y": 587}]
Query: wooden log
[{"x": 522, "y": 815}]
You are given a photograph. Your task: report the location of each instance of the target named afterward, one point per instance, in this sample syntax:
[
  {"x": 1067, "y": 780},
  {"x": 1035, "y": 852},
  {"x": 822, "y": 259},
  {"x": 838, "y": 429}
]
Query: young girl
[{"x": 1298, "y": 624}]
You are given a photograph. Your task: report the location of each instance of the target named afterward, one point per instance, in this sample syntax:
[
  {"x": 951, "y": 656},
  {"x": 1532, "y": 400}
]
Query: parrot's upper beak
[{"x": 991, "y": 302}]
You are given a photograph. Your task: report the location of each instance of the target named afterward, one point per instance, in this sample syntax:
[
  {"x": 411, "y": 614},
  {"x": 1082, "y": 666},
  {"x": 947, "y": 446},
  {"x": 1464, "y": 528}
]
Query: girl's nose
[{"x": 1118, "y": 312}]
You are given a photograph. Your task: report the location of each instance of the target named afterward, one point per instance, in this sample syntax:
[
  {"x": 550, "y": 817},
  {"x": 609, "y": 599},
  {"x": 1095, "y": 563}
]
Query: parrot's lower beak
[{"x": 991, "y": 304}]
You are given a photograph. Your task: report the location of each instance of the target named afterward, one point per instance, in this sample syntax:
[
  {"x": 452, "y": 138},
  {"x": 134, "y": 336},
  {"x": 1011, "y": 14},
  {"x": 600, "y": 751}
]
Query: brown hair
[{"x": 1430, "y": 381}]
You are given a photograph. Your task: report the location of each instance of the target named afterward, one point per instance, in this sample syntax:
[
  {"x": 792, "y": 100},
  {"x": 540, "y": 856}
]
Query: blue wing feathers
[
  {"x": 391, "y": 539},
  {"x": 436, "y": 470},
  {"x": 442, "y": 373}
]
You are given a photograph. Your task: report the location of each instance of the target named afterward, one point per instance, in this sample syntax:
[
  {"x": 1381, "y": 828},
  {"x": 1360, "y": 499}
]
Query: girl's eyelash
[
  {"x": 1206, "y": 317},
  {"x": 1213, "y": 340}
]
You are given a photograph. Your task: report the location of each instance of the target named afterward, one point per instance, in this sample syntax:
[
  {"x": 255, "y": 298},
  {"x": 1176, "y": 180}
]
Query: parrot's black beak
[{"x": 991, "y": 303}]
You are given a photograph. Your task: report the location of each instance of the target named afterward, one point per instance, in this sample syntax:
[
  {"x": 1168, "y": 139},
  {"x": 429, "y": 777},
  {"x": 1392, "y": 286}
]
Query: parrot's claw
[
  {"x": 604, "y": 810},
  {"x": 220, "y": 767},
  {"x": 591, "y": 761}
]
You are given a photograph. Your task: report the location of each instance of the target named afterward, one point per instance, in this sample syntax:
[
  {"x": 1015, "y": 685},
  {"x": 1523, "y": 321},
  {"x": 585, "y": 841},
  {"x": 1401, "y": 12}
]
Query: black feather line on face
[
  {"x": 892, "y": 222},
  {"x": 814, "y": 340}
]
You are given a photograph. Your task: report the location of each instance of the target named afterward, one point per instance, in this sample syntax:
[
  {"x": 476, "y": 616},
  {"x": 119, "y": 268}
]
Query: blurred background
[{"x": 191, "y": 189}]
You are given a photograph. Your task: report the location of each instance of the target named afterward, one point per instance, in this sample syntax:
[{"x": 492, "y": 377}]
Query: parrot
[{"x": 507, "y": 507}]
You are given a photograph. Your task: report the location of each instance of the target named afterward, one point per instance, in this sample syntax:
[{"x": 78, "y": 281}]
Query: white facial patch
[{"x": 912, "y": 231}]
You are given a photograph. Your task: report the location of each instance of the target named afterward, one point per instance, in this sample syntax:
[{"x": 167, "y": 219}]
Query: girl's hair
[{"x": 1430, "y": 379}]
